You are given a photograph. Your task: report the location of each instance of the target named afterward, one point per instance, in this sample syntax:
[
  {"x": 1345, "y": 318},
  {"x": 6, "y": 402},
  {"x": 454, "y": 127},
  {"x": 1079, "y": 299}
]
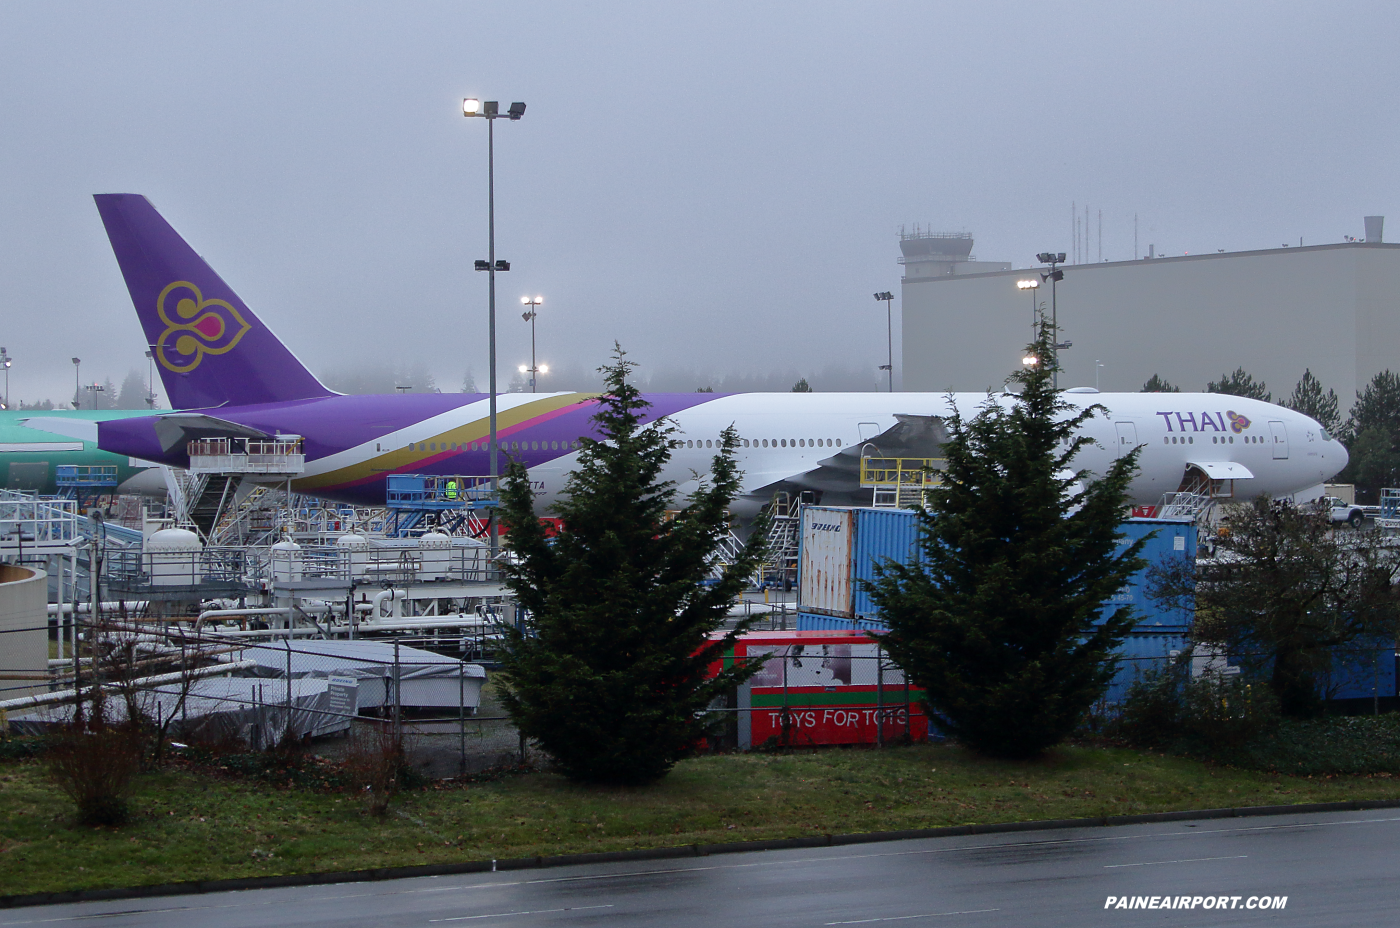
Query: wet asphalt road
[{"x": 1335, "y": 869}]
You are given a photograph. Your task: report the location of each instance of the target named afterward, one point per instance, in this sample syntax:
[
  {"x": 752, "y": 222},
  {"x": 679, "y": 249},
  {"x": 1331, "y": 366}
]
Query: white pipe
[
  {"x": 260, "y": 633},
  {"x": 393, "y": 596},
  {"x": 216, "y": 613},
  {"x": 25, "y": 702},
  {"x": 84, "y": 608},
  {"x": 409, "y": 623}
]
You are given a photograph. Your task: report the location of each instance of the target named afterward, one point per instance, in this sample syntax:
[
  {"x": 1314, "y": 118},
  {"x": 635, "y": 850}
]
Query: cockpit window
[{"x": 1325, "y": 436}]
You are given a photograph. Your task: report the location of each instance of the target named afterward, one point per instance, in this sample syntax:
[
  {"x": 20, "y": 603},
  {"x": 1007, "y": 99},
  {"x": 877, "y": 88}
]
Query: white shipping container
[{"x": 825, "y": 561}]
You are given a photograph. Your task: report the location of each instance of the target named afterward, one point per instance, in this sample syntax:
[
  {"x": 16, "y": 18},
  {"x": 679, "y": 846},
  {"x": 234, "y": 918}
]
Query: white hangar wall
[{"x": 1334, "y": 309}]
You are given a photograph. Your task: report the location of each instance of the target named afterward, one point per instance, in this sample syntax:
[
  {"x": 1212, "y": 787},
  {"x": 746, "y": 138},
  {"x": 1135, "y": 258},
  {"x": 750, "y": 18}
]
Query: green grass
[{"x": 191, "y": 827}]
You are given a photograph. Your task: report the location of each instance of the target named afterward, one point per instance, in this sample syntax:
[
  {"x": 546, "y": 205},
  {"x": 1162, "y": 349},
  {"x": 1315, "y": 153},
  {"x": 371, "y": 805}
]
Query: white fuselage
[{"x": 786, "y": 437}]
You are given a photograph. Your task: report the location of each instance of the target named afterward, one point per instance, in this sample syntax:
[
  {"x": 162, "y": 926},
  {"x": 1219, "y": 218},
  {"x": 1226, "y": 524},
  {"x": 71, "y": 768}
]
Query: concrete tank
[{"x": 171, "y": 557}]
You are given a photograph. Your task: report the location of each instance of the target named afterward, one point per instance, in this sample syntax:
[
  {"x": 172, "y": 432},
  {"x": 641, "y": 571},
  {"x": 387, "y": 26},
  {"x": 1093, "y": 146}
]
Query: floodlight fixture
[
  {"x": 471, "y": 107},
  {"x": 1030, "y": 360},
  {"x": 1027, "y": 284},
  {"x": 483, "y": 265},
  {"x": 524, "y": 369},
  {"x": 502, "y": 265},
  {"x": 516, "y": 110}
]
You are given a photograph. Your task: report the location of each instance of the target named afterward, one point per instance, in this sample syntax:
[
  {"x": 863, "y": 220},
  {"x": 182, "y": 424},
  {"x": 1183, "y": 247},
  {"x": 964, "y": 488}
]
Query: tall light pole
[
  {"x": 490, "y": 111},
  {"x": 150, "y": 380},
  {"x": 77, "y": 382},
  {"x": 1055, "y": 276},
  {"x": 1031, "y": 285},
  {"x": 1098, "y": 366},
  {"x": 888, "y": 297},
  {"x": 6, "y": 361},
  {"x": 529, "y": 316}
]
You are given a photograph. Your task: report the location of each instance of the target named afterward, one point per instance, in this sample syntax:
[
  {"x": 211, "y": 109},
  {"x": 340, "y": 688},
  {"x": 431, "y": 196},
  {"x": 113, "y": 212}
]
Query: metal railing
[{"x": 246, "y": 456}]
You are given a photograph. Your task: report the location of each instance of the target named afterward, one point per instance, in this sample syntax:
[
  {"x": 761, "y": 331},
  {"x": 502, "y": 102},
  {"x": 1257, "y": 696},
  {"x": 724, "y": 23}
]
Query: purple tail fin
[{"x": 210, "y": 348}]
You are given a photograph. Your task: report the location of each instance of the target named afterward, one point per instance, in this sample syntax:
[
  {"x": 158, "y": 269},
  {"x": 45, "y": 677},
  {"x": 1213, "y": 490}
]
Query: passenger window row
[{"x": 767, "y": 443}]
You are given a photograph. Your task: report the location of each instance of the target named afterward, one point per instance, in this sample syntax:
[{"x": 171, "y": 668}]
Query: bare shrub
[
  {"x": 94, "y": 764},
  {"x": 376, "y": 765}
]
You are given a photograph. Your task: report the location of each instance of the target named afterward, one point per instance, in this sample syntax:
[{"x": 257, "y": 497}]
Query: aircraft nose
[{"x": 1342, "y": 455}]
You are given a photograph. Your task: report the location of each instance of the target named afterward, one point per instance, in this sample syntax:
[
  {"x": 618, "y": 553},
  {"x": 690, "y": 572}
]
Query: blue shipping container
[
  {"x": 880, "y": 533},
  {"x": 1361, "y": 670},
  {"x": 1139, "y": 653},
  {"x": 894, "y": 534},
  {"x": 815, "y": 622},
  {"x": 1166, "y": 541}
]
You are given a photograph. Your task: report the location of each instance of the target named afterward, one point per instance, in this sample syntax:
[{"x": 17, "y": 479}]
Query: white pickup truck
[{"x": 1342, "y": 512}]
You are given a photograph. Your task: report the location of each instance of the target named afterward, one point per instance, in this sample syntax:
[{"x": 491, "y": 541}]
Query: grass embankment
[{"x": 193, "y": 827}]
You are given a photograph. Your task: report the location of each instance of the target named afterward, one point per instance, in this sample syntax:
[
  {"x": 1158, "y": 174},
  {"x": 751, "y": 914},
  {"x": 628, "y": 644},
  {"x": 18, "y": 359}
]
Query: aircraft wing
[
  {"x": 81, "y": 429},
  {"x": 910, "y": 437},
  {"x": 178, "y": 428}
]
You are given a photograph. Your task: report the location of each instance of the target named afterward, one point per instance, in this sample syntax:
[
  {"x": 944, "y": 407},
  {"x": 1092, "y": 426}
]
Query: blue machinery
[
  {"x": 412, "y": 498},
  {"x": 74, "y": 480}
]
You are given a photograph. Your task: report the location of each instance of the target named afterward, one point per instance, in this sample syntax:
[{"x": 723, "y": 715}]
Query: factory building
[{"x": 1333, "y": 309}]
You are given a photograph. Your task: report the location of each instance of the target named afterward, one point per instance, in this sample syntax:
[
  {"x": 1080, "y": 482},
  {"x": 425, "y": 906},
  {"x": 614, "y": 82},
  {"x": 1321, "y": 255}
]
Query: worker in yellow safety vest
[{"x": 452, "y": 489}]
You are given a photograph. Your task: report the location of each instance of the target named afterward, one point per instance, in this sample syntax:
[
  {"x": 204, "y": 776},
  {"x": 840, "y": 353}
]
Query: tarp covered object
[
  {"x": 258, "y": 712},
  {"x": 426, "y": 679}
]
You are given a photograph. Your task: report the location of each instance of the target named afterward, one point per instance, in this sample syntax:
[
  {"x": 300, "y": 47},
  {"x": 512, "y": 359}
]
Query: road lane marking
[
  {"x": 1189, "y": 860},
  {"x": 900, "y": 918},
  {"x": 467, "y": 918}
]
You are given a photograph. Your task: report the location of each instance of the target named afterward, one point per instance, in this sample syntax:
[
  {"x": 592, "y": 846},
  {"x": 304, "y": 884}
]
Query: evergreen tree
[
  {"x": 1309, "y": 399},
  {"x": 1377, "y": 406},
  {"x": 1003, "y": 620},
  {"x": 133, "y": 391},
  {"x": 1157, "y": 385},
  {"x": 802, "y": 386},
  {"x": 1372, "y": 436},
  {"x": 1240, "y": 384},
  {"x": 468, "y": 382},
  {"x": 610, "y": 677}
]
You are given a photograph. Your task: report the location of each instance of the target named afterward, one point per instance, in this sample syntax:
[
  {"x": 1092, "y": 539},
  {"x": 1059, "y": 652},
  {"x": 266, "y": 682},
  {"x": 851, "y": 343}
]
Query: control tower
[{"x": 941, "y": 254}]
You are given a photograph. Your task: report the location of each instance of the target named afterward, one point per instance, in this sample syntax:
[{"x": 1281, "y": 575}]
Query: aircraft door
[
  {"x": 1280, "y": 435},
  {"x": 1127, "y": 438}
]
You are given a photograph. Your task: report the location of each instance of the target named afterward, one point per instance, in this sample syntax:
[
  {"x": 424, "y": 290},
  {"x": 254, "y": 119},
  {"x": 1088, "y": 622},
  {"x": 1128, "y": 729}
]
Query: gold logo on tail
[{"x": 201, "y": 327}]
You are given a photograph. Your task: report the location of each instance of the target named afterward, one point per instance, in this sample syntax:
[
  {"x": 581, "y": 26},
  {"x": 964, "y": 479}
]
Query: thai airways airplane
[{"x": 230, "y": 376}]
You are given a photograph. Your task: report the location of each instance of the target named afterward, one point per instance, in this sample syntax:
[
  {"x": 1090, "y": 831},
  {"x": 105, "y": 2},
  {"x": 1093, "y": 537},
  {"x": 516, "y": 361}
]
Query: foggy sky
[{"x": 718, "y": 186}]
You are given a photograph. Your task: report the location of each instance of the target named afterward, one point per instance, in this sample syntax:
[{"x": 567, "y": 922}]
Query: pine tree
[
  {"x": 610, "y": 678},
  {"x": 1240, "y": 384},
  {"x": 133, "y": 391},
  {"x": 1309, "y": 399},
  {"x": 1372, "y": 436},
  {"x": 802, "y": 386},
  {"x": 1003, "y": 619},
  {"x": 1157, "y": 385}
]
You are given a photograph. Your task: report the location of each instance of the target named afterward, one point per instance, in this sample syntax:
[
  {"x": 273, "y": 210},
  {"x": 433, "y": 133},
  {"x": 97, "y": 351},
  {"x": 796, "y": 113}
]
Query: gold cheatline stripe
[{"x": 477, "y": 430}]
